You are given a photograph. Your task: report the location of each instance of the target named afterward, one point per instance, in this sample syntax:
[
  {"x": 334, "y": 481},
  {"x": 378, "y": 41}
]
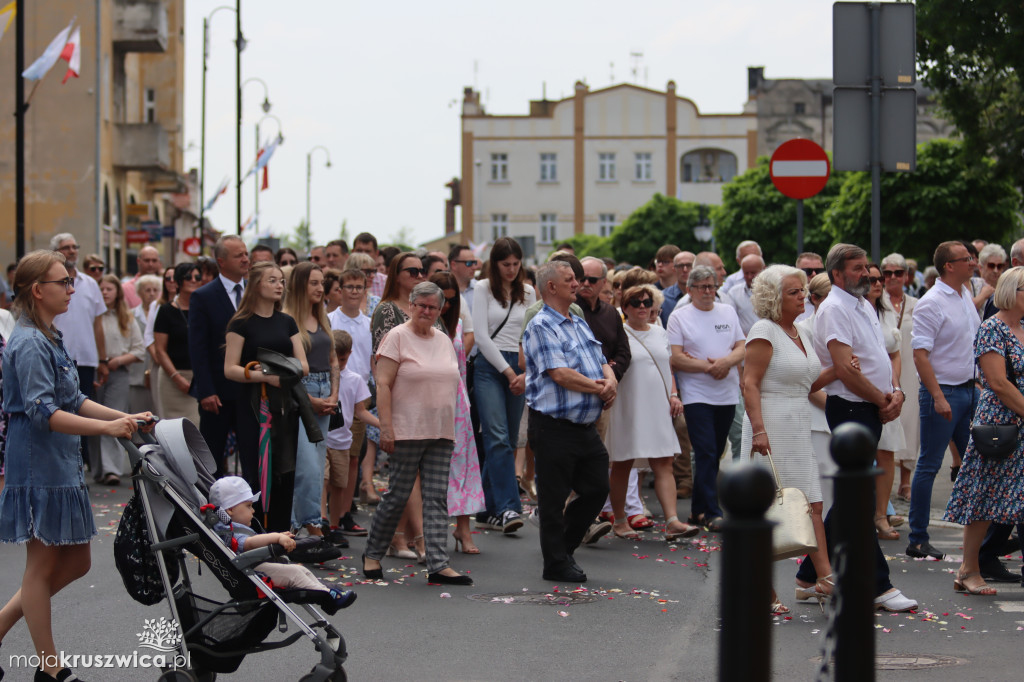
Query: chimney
[{"x": 755, "y": 77}]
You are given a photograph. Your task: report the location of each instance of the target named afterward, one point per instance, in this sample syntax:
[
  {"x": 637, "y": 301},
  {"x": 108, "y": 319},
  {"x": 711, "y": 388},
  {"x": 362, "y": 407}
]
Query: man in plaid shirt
[{"x": 568, "y": 384}]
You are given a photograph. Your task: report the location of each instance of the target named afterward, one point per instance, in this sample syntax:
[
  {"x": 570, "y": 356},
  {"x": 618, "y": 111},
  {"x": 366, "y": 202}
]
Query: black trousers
[
  {"x": 86, "y": 375},
  {"x": 237, "y": 415},
  {"x": 839, "y": 411},
  {"x": 995, "y": 540},
  {"x": 568, "y": 457}
]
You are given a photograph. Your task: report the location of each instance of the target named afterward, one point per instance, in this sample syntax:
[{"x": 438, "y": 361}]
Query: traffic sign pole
[
  {"x": 799, "y": 169},
  {"x": 799, "y": 226}
]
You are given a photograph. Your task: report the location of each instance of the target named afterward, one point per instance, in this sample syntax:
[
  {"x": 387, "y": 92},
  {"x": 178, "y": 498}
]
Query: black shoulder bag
[
  {"x": 996, "y": 442},
  {"x": 471, "y": 360}
]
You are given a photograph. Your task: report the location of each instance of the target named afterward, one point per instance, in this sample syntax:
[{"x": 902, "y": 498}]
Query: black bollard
[
  {"x": 744, "y": 643},
  {"x": 853, "y": 449}
]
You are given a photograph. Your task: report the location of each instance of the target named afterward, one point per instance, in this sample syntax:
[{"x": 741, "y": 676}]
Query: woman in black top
[
  {"x": 259, "y": 323},
  {"x": 305, "y": 303},
  {"x": 170, "y": 348}
]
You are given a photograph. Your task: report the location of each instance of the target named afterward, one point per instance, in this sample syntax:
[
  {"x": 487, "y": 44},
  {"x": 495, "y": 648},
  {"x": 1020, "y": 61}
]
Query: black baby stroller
[{"x": 171, "y": 478}]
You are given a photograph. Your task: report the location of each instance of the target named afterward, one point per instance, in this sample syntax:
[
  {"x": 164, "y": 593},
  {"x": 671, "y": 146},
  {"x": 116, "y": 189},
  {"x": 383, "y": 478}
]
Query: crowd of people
[{"x": 481, "y": 385}]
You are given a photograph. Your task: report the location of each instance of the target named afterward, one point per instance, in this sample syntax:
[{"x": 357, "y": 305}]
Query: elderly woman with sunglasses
[
  {"x": 640, "y": 420},
  {"x": 414, "y": 360},
  {"x": 895, "y": 274}
]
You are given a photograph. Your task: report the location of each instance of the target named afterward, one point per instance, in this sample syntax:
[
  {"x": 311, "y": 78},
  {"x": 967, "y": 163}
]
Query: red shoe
[
  {"x": 640, "y": 522},
  {"x": 607, "y": 516}
]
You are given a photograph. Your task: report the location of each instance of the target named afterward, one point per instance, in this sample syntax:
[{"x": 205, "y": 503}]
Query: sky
[{"x": 380, "y": 86}]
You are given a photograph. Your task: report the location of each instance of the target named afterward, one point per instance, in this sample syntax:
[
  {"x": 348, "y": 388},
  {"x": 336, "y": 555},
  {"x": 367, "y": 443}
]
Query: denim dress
[{"x": 44, "y": 496}]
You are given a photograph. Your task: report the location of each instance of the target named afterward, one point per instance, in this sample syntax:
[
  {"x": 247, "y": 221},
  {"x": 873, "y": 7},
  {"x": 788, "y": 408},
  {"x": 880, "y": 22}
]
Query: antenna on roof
[
  {"x": 635, "y": 59},
  {"x": 611, "y": 72},
  {"x": 544, "y": 90},
  {"x": 476, "y": 68}
]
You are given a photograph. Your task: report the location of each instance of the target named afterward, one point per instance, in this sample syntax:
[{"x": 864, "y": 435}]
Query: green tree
[
  {"x": 753, "y": 209},
  {"x": 402, "y": 238},
  {"x": 300, "y": 238},
  {"x": 590, "y": 245},
  {"x": 970, "y": 54},
  {"x": 662, "y": 220},
  {"x": 942, "y": 200}
]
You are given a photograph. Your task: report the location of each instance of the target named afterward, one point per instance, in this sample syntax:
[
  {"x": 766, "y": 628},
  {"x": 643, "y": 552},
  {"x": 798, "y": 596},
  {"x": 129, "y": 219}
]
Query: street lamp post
[
  {"x": 256, "y": 184},
  {"x": 238, "y": 157},
  {"x": 309, "y": 175},
  {"x": 202, "y": 138}
]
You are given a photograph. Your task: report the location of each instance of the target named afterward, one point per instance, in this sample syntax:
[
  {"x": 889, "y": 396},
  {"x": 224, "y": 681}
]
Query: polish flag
[
  {"x": 49, "y": 57},
  {"x": 72, "y": 54}
]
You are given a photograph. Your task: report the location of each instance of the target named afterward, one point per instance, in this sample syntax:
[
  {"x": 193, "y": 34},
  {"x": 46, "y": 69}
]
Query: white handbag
[{"x": 793, "y": 534}]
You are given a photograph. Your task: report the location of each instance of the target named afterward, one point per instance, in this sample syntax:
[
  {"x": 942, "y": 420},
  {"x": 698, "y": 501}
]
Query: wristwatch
[
  {"x": 105, "y": 361},
  {"x": 897, "y": 388}
]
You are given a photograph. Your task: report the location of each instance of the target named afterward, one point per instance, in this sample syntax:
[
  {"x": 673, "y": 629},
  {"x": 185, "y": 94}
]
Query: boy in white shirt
[{"x": 340, "y": 472}]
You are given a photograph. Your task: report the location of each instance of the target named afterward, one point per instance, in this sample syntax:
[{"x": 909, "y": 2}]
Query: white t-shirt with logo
[{"x": 706, "y": 334}]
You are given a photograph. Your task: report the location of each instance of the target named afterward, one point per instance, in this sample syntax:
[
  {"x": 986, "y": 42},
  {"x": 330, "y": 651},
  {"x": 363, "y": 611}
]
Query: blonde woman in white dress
[{"x": 781, "y": 370}]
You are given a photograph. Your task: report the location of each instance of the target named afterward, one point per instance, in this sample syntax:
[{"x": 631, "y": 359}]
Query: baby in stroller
[{"x": 233, "y": 499}]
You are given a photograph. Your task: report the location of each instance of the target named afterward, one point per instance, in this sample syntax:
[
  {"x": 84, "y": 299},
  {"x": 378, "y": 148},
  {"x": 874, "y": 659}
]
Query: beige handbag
[{"x": 793, "y": 534}]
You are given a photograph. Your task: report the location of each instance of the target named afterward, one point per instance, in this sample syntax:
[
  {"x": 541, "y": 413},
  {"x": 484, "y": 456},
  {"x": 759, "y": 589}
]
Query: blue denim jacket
[{"x": 39, "y": 376}]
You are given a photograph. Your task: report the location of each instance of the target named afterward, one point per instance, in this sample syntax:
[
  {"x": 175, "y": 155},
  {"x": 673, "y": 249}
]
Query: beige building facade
[
  {"x": 581, "y": 165},
  {"x": 104, "y": 154}
]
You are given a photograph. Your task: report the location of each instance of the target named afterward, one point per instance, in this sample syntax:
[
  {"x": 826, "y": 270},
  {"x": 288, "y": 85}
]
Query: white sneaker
[{"x": 894, "y": 601}]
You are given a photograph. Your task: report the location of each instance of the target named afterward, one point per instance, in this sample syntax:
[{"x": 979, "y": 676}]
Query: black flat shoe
[
  {"x": 449, "y": 579},
  {"x": 924, "y": 551},
  {"x": 569, "y": 574},
  {"x": 372, "y": 573},
  {"x": 998, "y": 573},
  {"x": 64, "y": 675}
]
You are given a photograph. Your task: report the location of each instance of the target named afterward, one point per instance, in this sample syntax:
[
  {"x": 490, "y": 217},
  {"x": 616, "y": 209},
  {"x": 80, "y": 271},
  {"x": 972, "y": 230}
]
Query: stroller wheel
[{"x": 177, "y": 676}]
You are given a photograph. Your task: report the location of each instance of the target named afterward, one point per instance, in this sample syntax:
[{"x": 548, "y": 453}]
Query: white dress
[
  {"x": 910, "y": 415},
  {"x": 892, "y": 438},
  {"x": 640, "y": 421},
  {"x": 785, "y": 409}
]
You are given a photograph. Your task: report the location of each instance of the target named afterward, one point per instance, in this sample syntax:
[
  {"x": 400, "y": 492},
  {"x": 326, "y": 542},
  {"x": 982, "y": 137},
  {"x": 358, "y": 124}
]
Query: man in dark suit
[{"x": 223, "y": 406}]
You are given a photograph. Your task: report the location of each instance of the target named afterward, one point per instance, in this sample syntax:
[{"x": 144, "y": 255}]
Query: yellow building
[{"x": 124, "y": 115}]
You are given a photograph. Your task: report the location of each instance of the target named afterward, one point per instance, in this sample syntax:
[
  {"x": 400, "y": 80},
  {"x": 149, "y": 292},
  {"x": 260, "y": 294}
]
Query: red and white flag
[
  {"x": 49, "y": 57},
  {"x": 72, "y": 54}
]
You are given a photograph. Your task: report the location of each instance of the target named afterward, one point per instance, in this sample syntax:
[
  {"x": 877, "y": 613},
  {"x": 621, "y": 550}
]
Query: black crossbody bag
[
  {"x": 471, "y": 360},
  {"x": 996, "y": 442}
]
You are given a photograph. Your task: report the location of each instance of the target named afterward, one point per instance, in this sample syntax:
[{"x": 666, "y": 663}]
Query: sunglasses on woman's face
[
  {"x": 415, "y": 272},
  {"x": 288, "y": 262},
  {"x": 874, "y": 280},
  {"x": 96, "y": 268},
  {"x": 646, "y": 303}
]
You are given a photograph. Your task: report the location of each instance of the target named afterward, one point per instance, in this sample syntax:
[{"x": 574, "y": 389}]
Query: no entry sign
[{"x": 799, "y": 168}]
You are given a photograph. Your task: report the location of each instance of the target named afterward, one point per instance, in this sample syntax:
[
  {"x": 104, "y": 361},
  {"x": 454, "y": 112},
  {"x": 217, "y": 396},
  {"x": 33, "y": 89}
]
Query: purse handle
[
  {"x": 775, "y": 474},
  {"x": 660, "y": 375}
]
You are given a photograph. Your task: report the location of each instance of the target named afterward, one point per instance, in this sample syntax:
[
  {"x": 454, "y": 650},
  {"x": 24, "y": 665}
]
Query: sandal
[
  {"x": 111, "y": 479},
  {"x": 982, "y": 590},
  {"x": 628, "y": 535},
  {"x": 367, "y": 493},
  {"x": 885, "y": 531},
  {"x": 905, "y": 496},
  {"x": 466, "y": 548},
  {"x": 639, "y": 522},
  {"x": 688, "y": 530},
  {"x": 896, "y": 521},
  {"x": 779, "y": 609}
]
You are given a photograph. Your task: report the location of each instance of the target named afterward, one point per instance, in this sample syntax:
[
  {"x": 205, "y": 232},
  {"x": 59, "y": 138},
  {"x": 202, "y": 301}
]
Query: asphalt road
[{"x": 649, "y": 612}]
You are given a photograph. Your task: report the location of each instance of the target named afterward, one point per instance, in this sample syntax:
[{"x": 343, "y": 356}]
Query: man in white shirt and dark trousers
[
  {"x": 846, "y": 326},
  {"x": 945, "y": 323}
]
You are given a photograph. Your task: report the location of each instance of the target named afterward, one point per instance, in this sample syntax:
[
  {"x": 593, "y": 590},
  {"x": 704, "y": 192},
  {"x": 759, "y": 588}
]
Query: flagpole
[{"x": 19, "y": 135}]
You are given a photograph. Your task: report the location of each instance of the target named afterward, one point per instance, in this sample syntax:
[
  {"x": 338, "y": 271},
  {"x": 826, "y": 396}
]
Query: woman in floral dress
[
  {"x": 988, "y": 490},
  {"x": 465, "y": 490}
]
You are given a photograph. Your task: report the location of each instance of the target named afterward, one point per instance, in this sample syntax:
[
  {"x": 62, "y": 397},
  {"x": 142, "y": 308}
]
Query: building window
[
  {"x": 548, "y": 167},
  {"x": 499, "y": 225},
  {"x": 548, "y": 225},
  {"x": 708, "y": 165},
  {"x": 149, "y": 109},
  {"x": 606, "y": 166},
  {"x": 499, "y": 167},
  {"x": 799, "y": 108},
  {"x": 643, "y": 166},
  {"x": 605, "y": 224}
]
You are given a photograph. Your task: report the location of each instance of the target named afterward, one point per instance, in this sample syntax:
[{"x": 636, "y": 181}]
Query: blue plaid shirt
[{"x": 552, "y": 341}]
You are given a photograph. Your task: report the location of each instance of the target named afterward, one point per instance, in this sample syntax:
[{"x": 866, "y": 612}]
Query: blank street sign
[
  {"x": 851, "y": 44},
  {"x": 851, "y": 130}
]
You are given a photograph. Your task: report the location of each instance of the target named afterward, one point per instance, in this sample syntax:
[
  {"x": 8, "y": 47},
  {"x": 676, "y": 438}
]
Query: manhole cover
[
  {"x": 912, "y": 661},
  {"x": 915, "y": 661},
  {"x": 542, "y": 598}
]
